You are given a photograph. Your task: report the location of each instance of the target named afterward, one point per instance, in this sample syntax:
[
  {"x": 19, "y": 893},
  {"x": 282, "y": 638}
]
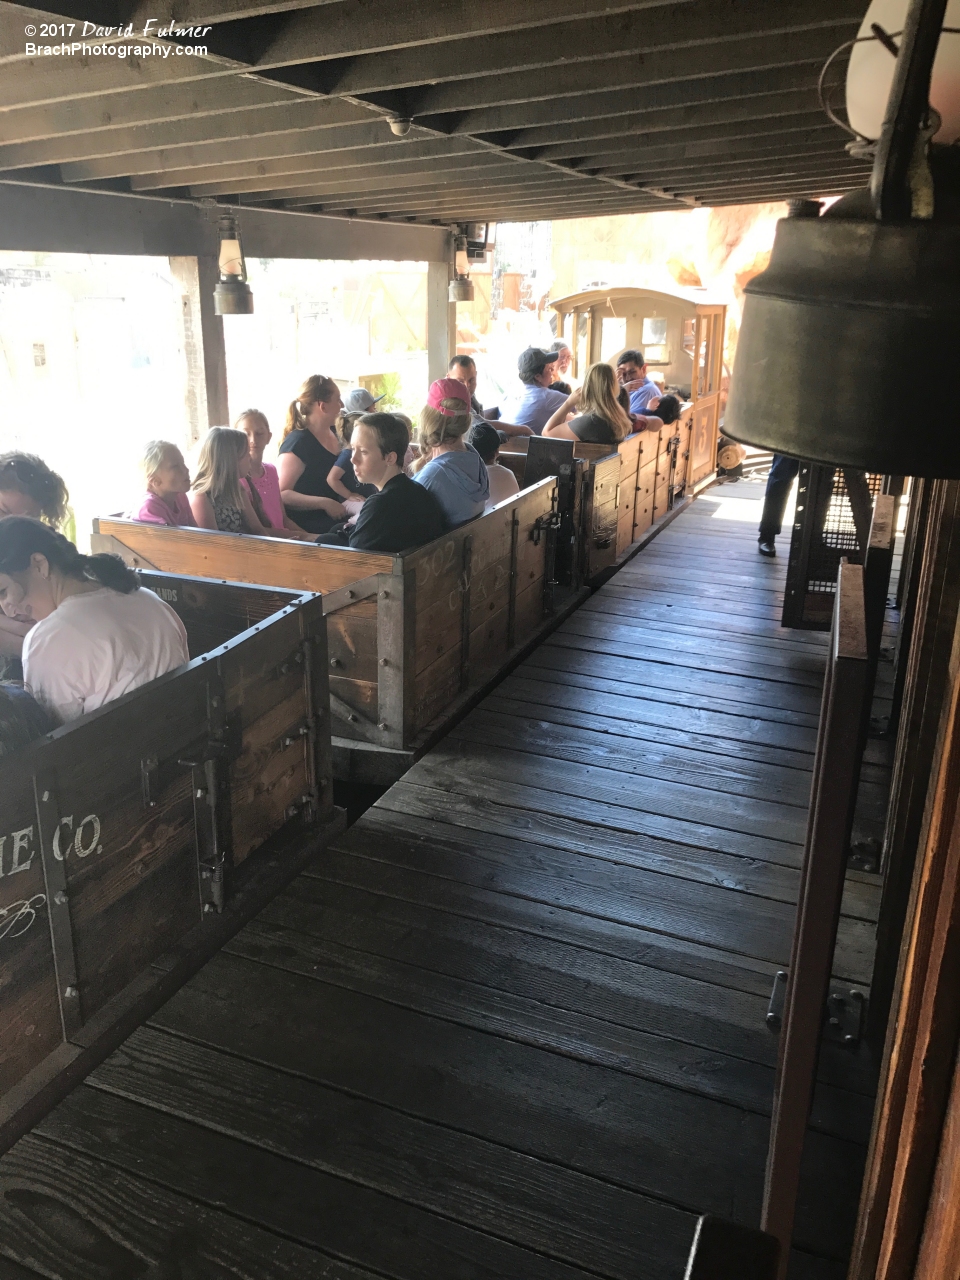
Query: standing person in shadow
[{"x": 779, "y": 483}]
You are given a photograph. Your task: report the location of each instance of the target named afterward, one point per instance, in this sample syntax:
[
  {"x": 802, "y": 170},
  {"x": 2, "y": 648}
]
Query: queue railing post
[{"x": 835, "y": 774}]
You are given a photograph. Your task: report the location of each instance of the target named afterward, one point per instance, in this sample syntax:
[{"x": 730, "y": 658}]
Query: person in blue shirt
[
  {"x": 448, "y": 467},
  {"x": 538, "y": 403},
  {"x": 633, "y": 377}
]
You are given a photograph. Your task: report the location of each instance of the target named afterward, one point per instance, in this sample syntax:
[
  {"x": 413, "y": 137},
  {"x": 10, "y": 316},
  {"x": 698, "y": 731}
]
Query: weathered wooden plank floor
[{"x": 513, "y": 1025}]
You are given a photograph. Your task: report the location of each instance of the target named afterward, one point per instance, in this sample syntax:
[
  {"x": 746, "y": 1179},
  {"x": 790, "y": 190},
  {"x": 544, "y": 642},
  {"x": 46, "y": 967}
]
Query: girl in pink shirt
[
  {"x": 168, "y": 481},
  {"x": 263, "y": 476}
]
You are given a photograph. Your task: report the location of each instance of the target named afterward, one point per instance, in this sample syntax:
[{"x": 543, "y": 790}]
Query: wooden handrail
[{"x": 835, "y": 773}]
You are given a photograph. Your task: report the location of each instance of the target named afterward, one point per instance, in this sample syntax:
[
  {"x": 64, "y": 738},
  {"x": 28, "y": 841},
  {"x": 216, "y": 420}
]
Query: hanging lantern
[
  {"x": 232, "y": 296},
  {"x": 859, "y": 309},
  {"x": 461, "y": 286}
]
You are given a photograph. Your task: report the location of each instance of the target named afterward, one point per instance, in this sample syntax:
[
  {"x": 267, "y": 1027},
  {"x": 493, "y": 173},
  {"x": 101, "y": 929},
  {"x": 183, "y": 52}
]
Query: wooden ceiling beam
[
  {"x": 703, "y": 139},
  {"x": 643, "y": 35},
  {"x": 369, "y": 161},
  {"x": 199, "y": 130},
  {"x": 743, "y": 112},
  {"x": 347, "y": 139},
  {"x": 655, "y": 99},
  {"x": 334, "y": 49}
]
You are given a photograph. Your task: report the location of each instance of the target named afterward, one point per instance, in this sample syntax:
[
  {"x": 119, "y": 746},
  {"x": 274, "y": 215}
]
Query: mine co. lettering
[{"x": 80, "y": 839}]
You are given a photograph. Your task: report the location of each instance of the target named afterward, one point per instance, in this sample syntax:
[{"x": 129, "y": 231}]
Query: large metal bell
[{"x": 849, "y": 350}]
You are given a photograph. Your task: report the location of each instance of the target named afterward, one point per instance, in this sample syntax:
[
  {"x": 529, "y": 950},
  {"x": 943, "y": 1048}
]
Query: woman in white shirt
[{"x": 98, "y": 633}]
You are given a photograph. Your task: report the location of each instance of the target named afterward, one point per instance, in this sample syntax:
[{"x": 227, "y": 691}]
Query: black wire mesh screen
[{"x": 832, "y": 521}]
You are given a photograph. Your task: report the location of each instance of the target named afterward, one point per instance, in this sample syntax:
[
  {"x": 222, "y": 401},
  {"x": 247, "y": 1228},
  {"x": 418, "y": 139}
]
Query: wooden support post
[
  {"x": 214, "y": 348},
  {"x": 934, "y": 604},
  {"x": 724, "y": 1250},
  {"x": 441, "y": 321},
  {"x": 904, "y": 1193},
  {"x": 184, "y": 271},
  {"x": 836, "y": 767}
]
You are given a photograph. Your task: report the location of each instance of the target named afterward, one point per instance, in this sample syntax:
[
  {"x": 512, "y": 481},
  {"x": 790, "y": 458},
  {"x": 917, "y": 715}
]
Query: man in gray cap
[
  {"x": 538, "y": 403},
  {"x": 359, "y": 400}
]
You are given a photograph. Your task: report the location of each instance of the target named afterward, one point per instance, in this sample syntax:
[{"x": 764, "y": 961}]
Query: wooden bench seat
[
  {"x": 122, "y": 833},
  {"x": 411, "y": 635}
]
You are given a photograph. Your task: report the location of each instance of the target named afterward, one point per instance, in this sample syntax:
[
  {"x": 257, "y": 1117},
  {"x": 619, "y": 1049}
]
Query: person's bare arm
[
  {"x": 203, "y": 512},
  {"x": 511, "y": 428},
  {"x": 289, "y": 470},
  {"x": 335, "y": 481},
  {"x": 647, "y": 422},
  {"x": 560, "y": 417},
  {"x": 11, "y": 636},
  {"x": 250, "y": 518},
  {"x": 561, "y": 431}
]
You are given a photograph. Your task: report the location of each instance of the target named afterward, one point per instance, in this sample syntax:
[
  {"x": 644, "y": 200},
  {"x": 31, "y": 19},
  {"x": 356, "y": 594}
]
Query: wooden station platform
[{"x": 512, "y": 1026}]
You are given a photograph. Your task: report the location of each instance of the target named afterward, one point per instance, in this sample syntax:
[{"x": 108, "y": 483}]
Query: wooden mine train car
[
  {"x": 414, "y": 637},
  {"x": 125, "y": 849}
]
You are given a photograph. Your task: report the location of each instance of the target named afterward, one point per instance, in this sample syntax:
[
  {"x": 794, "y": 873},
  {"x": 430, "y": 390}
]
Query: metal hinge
[
  {"x": 543, "y": 524},
  {"x": 843, "y": 1018}
]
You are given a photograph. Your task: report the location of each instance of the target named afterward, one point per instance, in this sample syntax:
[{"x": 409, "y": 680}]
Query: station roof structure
[{"x": 518, "y": 109}]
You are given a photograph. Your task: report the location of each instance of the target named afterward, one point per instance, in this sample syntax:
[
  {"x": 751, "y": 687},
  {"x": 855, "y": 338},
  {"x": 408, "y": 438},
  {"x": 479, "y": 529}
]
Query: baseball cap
[
  {"x": 533, "y": 361},
  {"x": 485, "y": 439},
  {"x": 449, "y": 389},
  {"x": 359, "y": 400}
]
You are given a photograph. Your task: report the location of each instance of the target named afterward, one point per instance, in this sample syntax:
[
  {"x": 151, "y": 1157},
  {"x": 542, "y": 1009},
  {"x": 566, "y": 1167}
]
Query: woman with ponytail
[
  {"x": 310, "y": 448},
  {"x": 96, "y": 632}
]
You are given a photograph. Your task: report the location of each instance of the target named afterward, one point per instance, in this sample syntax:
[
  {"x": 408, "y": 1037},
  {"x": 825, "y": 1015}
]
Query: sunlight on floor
[{"x": 744, "y": 509}]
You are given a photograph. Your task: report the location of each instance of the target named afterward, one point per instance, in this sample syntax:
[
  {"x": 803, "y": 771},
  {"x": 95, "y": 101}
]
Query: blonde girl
[
  {"x": 218, "y": 500},
  {"x": 167, "y": 483},
  {"x": 601, "y": 419},
  {"x": 310, "y": 448}
]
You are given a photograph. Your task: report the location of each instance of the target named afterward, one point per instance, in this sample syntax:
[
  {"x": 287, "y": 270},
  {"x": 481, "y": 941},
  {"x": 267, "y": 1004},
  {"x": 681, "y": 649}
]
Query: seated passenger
[
  {"x": 537, "y": 371},
  {"x": 601, "y": 418},
  {"x": 667, "y": 409},
  {"x": 22, "y": 718},
  {"x": 452, "y": 471},
  {"x": 168, "y": 482},
  {"x": 307, "y": 452},
  {"x": 342, "y": 478},
  {"x": 464, "y": 369},
  {"x": 486, "y": 439},
  {"x": 564, "y": 360},
  {"x": 262, "y": 483},
  {"x": 400, "y": 514},
  {"x": 98, "y": 633},
  {"x": 633, "y": 375},
  {"x": 27, "y": 488},
  {"x": 218, "y": 500}
]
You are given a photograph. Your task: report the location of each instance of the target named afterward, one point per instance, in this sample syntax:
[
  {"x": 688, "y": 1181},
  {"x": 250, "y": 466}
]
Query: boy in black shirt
[{"x": 401, "y": 514}]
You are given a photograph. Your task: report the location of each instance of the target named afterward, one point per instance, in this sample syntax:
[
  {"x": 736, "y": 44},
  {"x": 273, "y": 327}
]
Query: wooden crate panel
[
  {"x": 352, "y": 641},
  {"x": 128, "y": 857},
  {"x": 29, "y": 1009},
  {"x": 435, "y": 688},
  {"x": 215, "y": 612},
  {"x": 268, "y": 776},
  {"x": 276, "y": 562}
]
